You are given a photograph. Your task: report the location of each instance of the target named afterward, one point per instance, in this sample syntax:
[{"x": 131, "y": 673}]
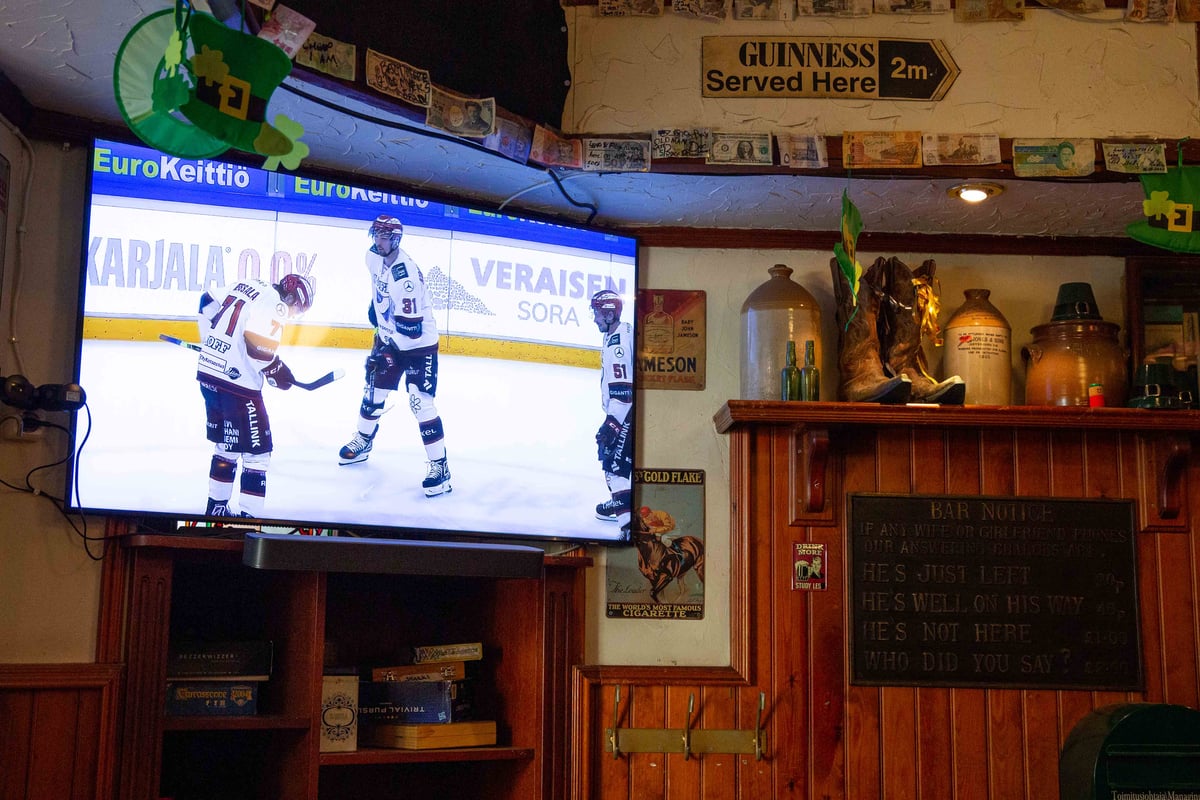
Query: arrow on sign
[{"x": 915, "y": 69}]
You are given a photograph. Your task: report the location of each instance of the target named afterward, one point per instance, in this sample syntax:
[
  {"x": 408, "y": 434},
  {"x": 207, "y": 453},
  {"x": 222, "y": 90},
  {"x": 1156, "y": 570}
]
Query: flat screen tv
[{"x": 518, "y": 382}]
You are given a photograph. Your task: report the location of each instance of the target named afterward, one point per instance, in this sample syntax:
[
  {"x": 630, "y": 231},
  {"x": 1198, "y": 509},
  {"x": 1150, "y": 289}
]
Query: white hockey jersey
[
  {"x": 239, "y": 333},
  {"x": 402, "y": 302},
  {"x": 616, "y": 372}
]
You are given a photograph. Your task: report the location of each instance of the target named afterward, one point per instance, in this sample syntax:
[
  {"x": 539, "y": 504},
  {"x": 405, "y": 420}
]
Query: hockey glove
[
  {"x": 279, "y": 375},
  {"x": 380, "y": 361},
  {"x": 610, "y": 431}
]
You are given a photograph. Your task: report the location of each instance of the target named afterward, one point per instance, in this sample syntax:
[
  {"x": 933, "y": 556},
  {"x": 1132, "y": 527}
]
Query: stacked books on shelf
[
  {"x": 217, "y": 678},
  {"x": 425, "y": 701}
]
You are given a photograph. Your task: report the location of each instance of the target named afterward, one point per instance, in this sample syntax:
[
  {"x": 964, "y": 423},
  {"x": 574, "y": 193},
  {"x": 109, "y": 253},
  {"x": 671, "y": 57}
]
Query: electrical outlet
[{"x": 24, "y": 428}]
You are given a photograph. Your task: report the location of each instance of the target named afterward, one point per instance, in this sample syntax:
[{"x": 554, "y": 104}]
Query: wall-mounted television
[{"x": 518, "y": 360}]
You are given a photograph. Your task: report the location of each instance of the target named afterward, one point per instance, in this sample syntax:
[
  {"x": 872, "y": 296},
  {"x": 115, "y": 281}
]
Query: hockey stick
[{"x": 327, "y": 378}]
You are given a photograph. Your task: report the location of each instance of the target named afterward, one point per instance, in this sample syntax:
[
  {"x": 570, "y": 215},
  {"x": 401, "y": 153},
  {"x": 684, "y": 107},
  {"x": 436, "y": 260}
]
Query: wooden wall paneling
[
  {"x": 16, "y": 720},
  {"x": 647, "y": 771},
  {"x": 860, "y": 725},
  {"x": 789, "y": 653},
  {"x": 719, "y": 771},
  {"x": 935, "y": 743},
  {"x": 1177, "y": 571},
  {"x": 897, "y": 718},
  {"x": 58, "y": 730},
  {"x": 682, "y": 774},
  {"x": 1147, "y": 579},
  {"x": 826, "y": 630}
]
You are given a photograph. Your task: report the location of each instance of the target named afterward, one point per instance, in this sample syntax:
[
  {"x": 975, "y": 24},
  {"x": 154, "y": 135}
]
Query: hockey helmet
[
  {"x": 607, "y": 300},
  {"x": 296, "y": 291},
  {"x": 386, "y": 223}
]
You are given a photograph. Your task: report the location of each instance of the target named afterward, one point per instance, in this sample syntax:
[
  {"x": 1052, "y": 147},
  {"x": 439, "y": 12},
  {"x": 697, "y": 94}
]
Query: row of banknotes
[
  {"x": 963, "y": 10},
  {"x": 860, "y": 150}
]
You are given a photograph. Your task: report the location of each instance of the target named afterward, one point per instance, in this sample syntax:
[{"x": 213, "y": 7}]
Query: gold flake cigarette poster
[
  {"x": 662, "y": 575},
  {"x": 671, "y": 339}
]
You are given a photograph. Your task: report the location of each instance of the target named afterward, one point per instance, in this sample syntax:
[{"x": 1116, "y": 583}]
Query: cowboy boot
[
  {"x": 860, "y": 364},
  {"x": 900, "y": 335}
]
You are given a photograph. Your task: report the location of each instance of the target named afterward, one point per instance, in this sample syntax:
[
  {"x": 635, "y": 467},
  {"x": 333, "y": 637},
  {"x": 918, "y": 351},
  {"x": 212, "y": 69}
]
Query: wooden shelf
[
  {"x": 836, "y": 414},
  {"x": 381, "y": 755},
  {"x": 265, "y": 722}
]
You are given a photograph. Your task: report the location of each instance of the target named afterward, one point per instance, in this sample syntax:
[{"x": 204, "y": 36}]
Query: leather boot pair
[{"x": 900, "y": 332}]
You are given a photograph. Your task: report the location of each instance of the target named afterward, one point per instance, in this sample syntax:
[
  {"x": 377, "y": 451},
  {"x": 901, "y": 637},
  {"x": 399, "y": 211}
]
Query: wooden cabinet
[{"x": 160, "y": 588}]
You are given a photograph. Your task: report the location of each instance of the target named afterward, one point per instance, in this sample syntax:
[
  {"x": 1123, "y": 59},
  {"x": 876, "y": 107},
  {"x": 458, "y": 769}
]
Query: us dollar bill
[
  {"x": 680, "y": 142},
  {"x": 1053, "y": 158},
  {"x": 764, "y": 9},
  {"x": 1135, "y": 157},
  {"x": 960, "y": 148},
  {"x": 751, "y": 149},
  {"x": 1150, "y": 11},
  {"x": 802, "y": 150},
  {"x": 616, "y": 155},
  {"x": 833, "y": 8},
  {"x": 465, "y": 116},
  {"x": 630, "y": 8},
  {"x": 395, "y": 78},
  {"x": 552, "y": 150},
  {"x": 984, "y": 10},
  {"x": 895, "y": 149},
  {"x": 713, "y": 10},
  {"x": 912, "y": 6}
]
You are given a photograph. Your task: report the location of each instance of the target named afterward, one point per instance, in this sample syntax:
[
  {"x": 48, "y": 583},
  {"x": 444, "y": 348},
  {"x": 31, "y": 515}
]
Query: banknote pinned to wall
[
  {"x": 877, "y": 149},
  {"x": 833, "y": 8},
  {"x": 712, "y": 10},
  {"x": 1053, "y": 158},
  {"x": 328, "y": 55},
  {"x": 911, "y": 6},
  {"x": 551, "y": 150},
  {"x": 616, "y": 155},
  {"x": 764, "y": 9},
  {"x": 1150, "y": 11},
  {"x": 511, "y": 138},
  {"x": 1135, "y": 157},
  {"x": 989, "y": 10},
  {"x": 395, "y": 78},
  {"x": 745, "y": 149},
  {"x": 802, "y": 150},
  {"x": 472, "y": 117},
  {"x": 287, "y": 29},
  {"x": 630, "y": 8},
  {"x": 938, "y": 149},
  {"x": 680, "y": 142}
]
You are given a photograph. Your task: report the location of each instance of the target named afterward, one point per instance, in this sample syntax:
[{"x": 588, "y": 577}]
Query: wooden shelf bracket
[
  {"x": 812, "y": 451},
  {"x": 686, "y": 740}
]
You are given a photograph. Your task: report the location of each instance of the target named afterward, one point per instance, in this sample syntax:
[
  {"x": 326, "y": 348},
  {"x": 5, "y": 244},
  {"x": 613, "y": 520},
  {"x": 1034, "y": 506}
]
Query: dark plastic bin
[{"x": 1131, "y": 747}]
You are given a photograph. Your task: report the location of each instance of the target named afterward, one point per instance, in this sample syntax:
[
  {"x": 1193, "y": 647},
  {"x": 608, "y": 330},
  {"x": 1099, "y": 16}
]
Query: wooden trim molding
[{"x": 59, "y": 732}]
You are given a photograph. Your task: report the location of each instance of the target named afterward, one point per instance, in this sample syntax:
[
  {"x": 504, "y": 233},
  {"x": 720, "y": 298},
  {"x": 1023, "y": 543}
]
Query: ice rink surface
[{"x": 520, "y": 441}]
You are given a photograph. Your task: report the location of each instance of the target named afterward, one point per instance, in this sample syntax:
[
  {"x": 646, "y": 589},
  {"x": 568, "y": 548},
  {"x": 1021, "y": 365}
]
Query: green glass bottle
[
  {"x": 810, "y": 376},
  {"x": 789, "y": 376}
]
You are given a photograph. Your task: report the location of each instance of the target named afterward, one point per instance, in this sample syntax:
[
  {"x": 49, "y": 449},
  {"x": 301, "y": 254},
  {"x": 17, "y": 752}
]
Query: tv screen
[{"x": 297, "y": 352}]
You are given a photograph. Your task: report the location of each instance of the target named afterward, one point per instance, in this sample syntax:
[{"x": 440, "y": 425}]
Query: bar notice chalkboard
[{"x": 1014, "y": 592}]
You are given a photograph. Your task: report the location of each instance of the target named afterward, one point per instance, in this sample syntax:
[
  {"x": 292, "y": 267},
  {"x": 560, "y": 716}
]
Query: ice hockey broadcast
[{"x": 285, "y": 350}]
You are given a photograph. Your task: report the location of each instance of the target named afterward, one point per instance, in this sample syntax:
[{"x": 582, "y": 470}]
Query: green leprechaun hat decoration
[
  {"x": 192, "y": 87},
  {"x": 1169, "y": 208}
]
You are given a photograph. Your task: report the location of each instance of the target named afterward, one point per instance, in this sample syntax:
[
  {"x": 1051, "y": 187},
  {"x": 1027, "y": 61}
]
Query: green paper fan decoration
[{"x": 199, "y": 106}]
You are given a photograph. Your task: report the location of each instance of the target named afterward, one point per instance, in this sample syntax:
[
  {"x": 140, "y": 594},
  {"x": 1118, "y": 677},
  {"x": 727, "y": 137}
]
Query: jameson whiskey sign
[
  {"x": 1014, "y": 592},
  {"x": 833, "y": 67}
]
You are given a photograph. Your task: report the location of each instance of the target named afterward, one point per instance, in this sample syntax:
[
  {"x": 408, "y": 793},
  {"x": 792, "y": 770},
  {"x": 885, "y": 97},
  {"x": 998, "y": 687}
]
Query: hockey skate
[
  {"x": 437, "y": 480},
  {"x": 608, "y": 510},
  {"x": 218, "y": 508},
  {"x": 357, "y": 449}
]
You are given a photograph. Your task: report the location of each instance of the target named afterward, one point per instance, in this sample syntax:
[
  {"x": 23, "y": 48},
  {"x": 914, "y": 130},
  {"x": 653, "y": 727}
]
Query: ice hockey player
[
  {"x": 614, "y": 442},
  {"x": 240, "y": 331},
  {"x": 404, "y": 351}
]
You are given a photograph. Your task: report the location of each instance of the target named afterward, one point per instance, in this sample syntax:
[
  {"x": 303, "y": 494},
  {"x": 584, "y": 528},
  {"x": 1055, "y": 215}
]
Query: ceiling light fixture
[{"x": 975, "y": 192}]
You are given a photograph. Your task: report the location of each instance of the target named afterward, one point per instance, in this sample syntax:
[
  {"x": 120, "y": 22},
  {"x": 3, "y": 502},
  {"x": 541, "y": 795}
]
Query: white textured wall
[{"x": 1052, "y": 75}]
